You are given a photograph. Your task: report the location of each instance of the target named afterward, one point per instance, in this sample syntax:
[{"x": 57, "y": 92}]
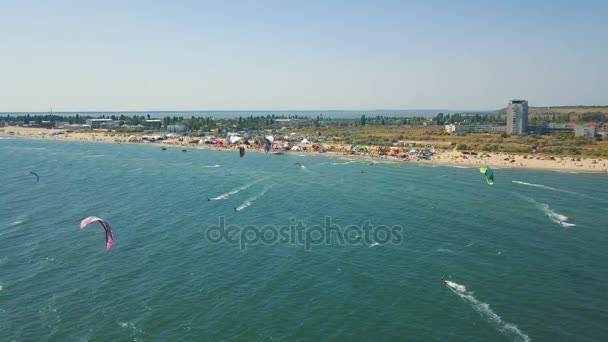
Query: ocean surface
[{"x": 525, "y": 259}]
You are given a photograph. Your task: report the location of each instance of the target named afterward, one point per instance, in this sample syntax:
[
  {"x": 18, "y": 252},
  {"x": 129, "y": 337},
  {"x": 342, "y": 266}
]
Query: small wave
[
  {"x": 484, "y": 310},
  {"x": 374, "y": 244},
  {"x": 348, "y": 162},
  {"x": 250, "y": 201},
  {"x": 234, "y": 191},
  {"x": 18, "y": 221},
  {"x": 130, "y": 326},
  {"x": 28, "y": 148},
  {"x": 556, "y": 217},
  {"x": 444, "y": 250},
  {"x": 95, "y": 155},
  {"x": 207, "y": 166}
]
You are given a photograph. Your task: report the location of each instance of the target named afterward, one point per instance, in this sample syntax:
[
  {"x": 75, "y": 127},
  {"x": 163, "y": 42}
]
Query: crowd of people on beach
[{"x": 410, "y": 152}]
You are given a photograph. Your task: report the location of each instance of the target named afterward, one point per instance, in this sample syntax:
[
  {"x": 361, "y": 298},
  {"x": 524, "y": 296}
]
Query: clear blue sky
[{"x": 222, "y": 55}]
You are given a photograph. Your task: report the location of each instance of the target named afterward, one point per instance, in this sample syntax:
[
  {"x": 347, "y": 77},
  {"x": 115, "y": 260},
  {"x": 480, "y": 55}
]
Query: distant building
[
  {"x": 78, "y": 127},
  {"x": 551, "y": 128},
  {"x": 132, "y": 127},
  {"x": 46, "y": 124},
  {"x": 584, "y": 131},
  {"x": 517, "y": 117},
  {"x": 455, "y": 129},
  {"x": 176, "y": 128},
  {"x": 154, "y": 123},
  {"x": 109, "y": 125},
  {"x": 96, "y": 123}
]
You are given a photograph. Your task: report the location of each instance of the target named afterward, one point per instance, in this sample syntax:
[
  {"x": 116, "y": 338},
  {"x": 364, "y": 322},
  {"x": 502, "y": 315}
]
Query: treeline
[
  {"x": 270, "y": 121},
  {"x": 192, "y": 124}
]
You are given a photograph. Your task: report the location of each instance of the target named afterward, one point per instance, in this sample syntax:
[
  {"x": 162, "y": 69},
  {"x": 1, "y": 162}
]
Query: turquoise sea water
[{"x": 524, "y": 261}]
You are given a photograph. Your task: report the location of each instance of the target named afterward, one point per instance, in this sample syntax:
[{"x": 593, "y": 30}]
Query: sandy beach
[{"x": 447, "y": 157}]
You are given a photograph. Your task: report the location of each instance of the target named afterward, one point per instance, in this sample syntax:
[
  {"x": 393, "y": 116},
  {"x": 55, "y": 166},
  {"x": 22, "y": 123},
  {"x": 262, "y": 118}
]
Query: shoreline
[{"x": 447, "y": 158}]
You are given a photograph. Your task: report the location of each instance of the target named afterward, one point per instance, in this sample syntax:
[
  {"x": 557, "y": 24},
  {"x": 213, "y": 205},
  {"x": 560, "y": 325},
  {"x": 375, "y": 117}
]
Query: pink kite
[{"x": 104, "y": 224}]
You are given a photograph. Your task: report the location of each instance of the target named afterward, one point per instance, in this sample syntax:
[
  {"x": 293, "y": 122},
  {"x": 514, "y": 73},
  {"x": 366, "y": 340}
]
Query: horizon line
[
  {"x": 246, "y": 110},
  {"x": 286, "y": 110}
]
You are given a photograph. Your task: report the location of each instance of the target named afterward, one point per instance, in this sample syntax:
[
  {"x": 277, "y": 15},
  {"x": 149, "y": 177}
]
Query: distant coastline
[
  {"x": 440, "y": 157},
  {"x": 230, "y": 114}
]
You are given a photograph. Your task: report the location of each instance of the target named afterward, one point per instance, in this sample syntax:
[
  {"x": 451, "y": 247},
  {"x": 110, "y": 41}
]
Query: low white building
[
  {"x": 584, "y": 131},
  {"x": 96, "y": 123},
  {"x": 176, "y": 128},
  {"x": 78, "y": 127},
  {"x": 455, "y": 129},
  {"x": 109, "y": 125},
  {"x": 154, "y": 123}
]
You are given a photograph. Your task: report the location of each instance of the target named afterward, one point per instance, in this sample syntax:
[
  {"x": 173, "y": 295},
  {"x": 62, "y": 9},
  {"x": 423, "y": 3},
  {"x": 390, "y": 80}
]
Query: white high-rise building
[{"x": 517, "y": 117}]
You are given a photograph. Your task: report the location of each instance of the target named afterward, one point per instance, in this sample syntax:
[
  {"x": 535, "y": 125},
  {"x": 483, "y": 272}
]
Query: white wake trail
[
  {"x": 485, "y": 311},
  {"x": 234, "y": 191},
  {"x": 556, "y": 217},
  {"x": 250, "y": 201},
  {"x": 538, "y": 186},
  {"x": 345, "y": 163}
]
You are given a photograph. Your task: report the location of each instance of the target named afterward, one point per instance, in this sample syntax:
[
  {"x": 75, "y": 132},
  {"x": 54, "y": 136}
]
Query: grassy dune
[{"x": 562, "y": 145}]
